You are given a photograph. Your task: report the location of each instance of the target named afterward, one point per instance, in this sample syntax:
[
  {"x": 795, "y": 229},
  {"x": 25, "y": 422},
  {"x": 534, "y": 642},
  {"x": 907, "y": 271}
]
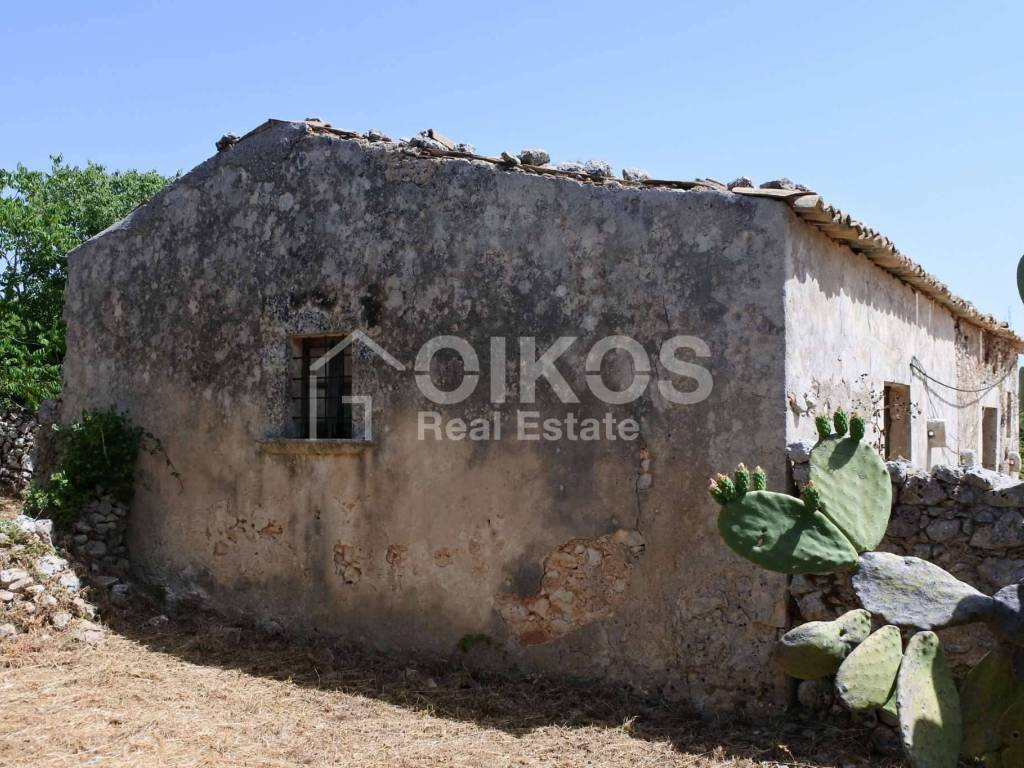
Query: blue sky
[{"x": 909, "y": 115}]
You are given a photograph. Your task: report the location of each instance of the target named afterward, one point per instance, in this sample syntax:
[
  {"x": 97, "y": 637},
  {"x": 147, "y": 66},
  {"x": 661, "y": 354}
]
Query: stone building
[{"x": 400, "y": 302}]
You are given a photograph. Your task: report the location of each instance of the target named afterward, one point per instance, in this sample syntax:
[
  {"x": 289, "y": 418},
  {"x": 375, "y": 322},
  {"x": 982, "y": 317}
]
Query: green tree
[{"x": 43, "y": 215}]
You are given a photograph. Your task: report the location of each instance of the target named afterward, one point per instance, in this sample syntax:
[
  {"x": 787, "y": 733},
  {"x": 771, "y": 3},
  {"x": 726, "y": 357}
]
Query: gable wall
[{"x": 592, "y": 559}]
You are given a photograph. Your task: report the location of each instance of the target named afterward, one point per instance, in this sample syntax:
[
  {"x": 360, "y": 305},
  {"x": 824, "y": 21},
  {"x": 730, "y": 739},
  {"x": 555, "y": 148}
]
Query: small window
[
  {"x": 318, "y": 408},
  {"x": 990, "y": 438},
  {"x": 897, "y": 422}
]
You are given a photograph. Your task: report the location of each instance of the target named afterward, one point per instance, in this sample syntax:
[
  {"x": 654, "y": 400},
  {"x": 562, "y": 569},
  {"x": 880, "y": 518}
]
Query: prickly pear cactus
[
  {"x": 1011, "y": 731},
  {"x": 778, "y": 532},
  {"x": 867, "y": 678},
  {"x": 845, "y": 510},
  {"x": 929, "y": 706},
  {"x": 855, "y": 488},
  {"x": 1020, "y": 279},
  {"x": 816, "y": 650},
  {"x": 987, "y": 693},
  {"x": 890, "y": 707}
]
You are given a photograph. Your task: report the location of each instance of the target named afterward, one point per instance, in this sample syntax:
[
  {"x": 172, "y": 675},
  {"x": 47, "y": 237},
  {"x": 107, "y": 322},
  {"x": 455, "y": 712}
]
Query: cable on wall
[{"x": 916, "y": 367}]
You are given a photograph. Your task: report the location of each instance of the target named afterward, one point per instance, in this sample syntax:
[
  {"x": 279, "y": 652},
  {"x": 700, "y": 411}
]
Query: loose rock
[
  {"x": 534, "y": 157},
  {"x": 635, "y": 174}
]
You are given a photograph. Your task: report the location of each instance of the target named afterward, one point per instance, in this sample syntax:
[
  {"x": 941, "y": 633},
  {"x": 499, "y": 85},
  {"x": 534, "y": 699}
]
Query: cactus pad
[
  {"x": 1020, "y": 278},
  {"x": 1011, "y": 731},
  {"x": 911, "y": 592},
  {"x": 868, "y": 675},
  {"x": 987, "y": 693},
  {"x": 778, "y": 533},
  {"x": 890, "y": 707},
  {"x": 855, "y": 488},
  {"x": 929, "y": 706},
  {"x": 816, "y": 650}
]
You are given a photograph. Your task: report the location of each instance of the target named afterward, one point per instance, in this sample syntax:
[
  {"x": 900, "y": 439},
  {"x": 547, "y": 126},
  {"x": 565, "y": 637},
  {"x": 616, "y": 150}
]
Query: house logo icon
[{"x": 318, "y": 368}]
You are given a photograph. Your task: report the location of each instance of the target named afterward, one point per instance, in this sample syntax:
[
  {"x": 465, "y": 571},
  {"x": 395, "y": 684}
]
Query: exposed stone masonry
[
  {"x": 17, "y": 431},
  {"x": 38, "y": 587},
  {"x": 968, "y": 520},
  {"x": 97, "y": 542}
]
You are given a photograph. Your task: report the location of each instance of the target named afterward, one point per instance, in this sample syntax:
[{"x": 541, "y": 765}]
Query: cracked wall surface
[
  {"x": 182, "y": 316},
  {"x": 584, "y": 581},
  {"x": 851, "y": 328}
]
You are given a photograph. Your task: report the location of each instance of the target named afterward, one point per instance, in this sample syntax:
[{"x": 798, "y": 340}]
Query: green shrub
[{"x": 98, "y": 455}]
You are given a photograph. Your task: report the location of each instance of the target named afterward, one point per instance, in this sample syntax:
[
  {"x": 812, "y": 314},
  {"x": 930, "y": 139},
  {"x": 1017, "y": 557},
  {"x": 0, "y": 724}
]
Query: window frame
[{"x": 334, "y": 416}]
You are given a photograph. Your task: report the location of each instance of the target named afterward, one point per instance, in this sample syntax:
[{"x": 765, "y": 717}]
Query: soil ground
[{"x": 194, "y": 691}]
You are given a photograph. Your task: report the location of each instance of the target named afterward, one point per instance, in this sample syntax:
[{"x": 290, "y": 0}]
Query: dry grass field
[{"x": 193, "y": 691}]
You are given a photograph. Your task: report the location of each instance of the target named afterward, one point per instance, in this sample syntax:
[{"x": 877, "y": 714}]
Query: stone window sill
[{"x": 282, "y": 446}]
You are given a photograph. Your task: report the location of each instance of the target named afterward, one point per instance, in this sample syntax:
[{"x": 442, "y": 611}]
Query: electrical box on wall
[{"x": 936, "y": 433}]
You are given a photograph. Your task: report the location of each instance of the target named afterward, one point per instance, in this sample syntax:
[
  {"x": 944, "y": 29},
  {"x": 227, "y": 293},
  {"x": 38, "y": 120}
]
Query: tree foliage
[{"x": 43, "y": 215}]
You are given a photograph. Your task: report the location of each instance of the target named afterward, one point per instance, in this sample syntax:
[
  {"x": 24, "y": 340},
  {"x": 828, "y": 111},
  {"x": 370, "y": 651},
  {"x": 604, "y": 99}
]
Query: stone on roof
[{"x": 808, "y": 206}]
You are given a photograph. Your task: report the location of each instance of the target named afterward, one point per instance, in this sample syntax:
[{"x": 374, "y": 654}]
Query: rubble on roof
[
  {"x": 227, "y": 141},
  {"x": 635, "y": 174},
  {"x": 534, "y": 157},
  {"x": 784, "y": 183},
  {"x": 806, "y": 204}
]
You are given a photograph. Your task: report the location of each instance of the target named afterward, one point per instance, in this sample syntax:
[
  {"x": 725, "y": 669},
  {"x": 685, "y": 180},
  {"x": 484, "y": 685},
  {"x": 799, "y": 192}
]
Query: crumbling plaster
[
  {"x": 851, "y": 327},
  {"x": 182, "y": 314}
]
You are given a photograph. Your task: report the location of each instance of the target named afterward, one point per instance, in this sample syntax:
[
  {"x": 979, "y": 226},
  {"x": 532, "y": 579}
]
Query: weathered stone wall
[
  {"x": 987, "y": 373},
  {"x": 18, "y": 428},
  {"x": 969, "y": 521},
  {"x": 593, "y": 559},
  {"x": 852, "y": 328}
]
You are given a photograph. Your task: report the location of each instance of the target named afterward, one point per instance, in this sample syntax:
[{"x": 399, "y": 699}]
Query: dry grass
[
  {"x": 208, "y": 695},
  {"x": 195, "y": 692}
]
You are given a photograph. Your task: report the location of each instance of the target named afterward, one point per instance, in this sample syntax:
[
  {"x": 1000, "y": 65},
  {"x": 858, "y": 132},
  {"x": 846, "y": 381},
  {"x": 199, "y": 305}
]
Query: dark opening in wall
[
  {"x": 318, "y": 394},
  {"x": 897, "y": 422},
  {"x": 990, "y": 438}
]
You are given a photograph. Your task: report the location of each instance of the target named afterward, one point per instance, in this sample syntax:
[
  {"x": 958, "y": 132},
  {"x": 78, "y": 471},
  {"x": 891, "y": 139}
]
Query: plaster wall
[
  {"x": 987, "y": 376},
  {"x": 590, "y": 559},
  {"x": 851, "y": 328}
]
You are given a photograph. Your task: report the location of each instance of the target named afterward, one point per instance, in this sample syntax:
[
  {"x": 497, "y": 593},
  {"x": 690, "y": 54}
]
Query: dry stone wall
[
  {"x": 18, "y": 428},
  {"x": 968, "y": 520}
]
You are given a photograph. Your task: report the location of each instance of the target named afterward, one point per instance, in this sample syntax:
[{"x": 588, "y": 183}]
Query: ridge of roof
[{"x": 808, "y": 206}]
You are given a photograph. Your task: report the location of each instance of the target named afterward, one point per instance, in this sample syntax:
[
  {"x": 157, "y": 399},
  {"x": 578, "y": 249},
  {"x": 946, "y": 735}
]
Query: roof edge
[
  {"x": 877, "y": 248},
  {"x": 808, "y": 206}
]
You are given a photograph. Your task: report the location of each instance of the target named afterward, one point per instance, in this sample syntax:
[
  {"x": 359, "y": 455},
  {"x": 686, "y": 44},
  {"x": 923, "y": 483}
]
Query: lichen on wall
[{"x": 185, "y": 315}]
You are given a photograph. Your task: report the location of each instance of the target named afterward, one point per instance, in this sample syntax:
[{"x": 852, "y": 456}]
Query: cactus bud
[
  {"x": 759, "y": 479},
  {"x": 716, "y": 494},
  {"x": 741, "y": 477},
  {"x": 842, "y": 422},
  {"x": 811, "y": 498},
  {"x": 857, "y": 427},
  {"x": 824, "y": 426},
  {"x": 726, "y": 487}
]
